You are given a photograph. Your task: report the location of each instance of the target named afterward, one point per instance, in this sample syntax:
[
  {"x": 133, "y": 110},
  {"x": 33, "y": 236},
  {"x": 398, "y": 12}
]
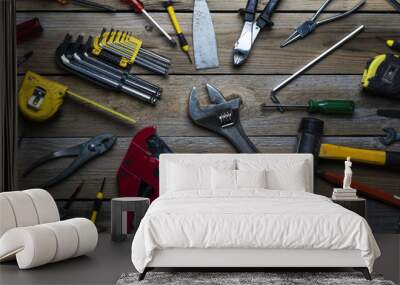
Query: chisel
[{"x": 334, "y": 107}]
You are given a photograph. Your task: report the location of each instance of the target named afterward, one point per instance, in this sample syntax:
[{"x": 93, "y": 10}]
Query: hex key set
[
  {"x": 76, "y": 57},
  {"x": 123, "y": 49}
]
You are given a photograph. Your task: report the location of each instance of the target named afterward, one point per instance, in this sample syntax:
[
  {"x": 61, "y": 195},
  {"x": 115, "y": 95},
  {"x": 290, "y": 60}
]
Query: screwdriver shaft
[
  {"x": 314, "y": 61},
  {"x": 150, "y": 18}
]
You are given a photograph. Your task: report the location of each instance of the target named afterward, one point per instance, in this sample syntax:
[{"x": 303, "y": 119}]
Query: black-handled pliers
[
  {"x": 251, "y": 29},
  {"x": 84, "y": 152},
  {"x": 310, "y": 25}
]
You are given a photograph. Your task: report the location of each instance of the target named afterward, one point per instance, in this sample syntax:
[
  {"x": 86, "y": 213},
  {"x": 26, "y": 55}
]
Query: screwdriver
[
  {"x": 336, "y": 107},
  {"x": 181, "y": 37},
  {"x": 98, "y": 202},
  {"x": 91, "y": 4},
  {"x": 138, "y": 7},
  {"x": 395, "y": 45}
]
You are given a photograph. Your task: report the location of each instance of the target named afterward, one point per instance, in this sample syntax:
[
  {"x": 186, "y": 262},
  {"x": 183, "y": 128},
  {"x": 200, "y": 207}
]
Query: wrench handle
[{"x": 237, "y": 137}]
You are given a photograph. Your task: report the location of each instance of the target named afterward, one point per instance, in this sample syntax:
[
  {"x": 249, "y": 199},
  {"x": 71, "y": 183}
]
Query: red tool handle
[
  {"x": 137, "y": 5},
  {"x": 28, "y": 30},
  {"x": 366, "y": 190}
]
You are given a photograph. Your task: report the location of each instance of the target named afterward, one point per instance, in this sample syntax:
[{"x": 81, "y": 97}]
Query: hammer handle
[{"x": 377, "y": 157}]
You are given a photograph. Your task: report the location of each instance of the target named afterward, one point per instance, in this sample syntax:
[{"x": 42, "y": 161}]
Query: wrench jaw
[
  {"x": 215, "y": 95},
  {"x": 195, "y": 111}
]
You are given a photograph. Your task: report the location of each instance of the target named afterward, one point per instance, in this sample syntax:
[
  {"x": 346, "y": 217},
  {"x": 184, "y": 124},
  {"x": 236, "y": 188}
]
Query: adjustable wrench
[
  {"x": 391, "y": 136},
  {"x": 221, "y": 117}
]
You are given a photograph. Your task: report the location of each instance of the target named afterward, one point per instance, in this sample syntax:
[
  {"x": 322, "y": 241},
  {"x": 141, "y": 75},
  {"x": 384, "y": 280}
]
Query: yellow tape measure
[{"x": 39, "y": 99}]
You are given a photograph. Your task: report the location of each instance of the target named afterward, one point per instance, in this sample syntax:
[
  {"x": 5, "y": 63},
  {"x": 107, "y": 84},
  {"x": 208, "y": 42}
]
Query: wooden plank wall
[{"x": 336, "y": 77}]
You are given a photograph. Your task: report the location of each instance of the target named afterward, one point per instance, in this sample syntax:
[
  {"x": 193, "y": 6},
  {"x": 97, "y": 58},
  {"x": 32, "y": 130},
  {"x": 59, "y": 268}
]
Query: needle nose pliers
[
  {"x": 84, "y": 152},
  {"x": 310, "y": 25}
]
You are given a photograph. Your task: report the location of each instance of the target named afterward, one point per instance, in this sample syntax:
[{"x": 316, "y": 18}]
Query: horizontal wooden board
[
  {"x": 266, "y": 57},
  {"x": 107, "y": 165},
  {"x": 171, "y": 115},
  {"x": 214, "y": 5}
]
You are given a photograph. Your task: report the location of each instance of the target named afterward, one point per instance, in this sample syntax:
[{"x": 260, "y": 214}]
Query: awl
[{"x": 138, "y": 7}]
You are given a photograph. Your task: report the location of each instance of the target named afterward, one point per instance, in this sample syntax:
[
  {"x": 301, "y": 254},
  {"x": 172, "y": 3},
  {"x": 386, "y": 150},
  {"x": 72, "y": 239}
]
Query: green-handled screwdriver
[{"x": 333, "y": 107}]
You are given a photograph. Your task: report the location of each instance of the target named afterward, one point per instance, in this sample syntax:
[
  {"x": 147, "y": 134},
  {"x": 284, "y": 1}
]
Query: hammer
[{"x": 309, "y": 141}]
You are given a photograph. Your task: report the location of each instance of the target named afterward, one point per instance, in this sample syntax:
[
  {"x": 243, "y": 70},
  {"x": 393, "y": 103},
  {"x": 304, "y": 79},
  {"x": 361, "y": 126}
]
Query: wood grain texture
[
  {"x": 337, "y": 77},
  {"x": 214, "y": 5},
  {"x": 107, "y": 165},
  {"x": 171, "y": 115},
  {"x": 266, "y": 57}
]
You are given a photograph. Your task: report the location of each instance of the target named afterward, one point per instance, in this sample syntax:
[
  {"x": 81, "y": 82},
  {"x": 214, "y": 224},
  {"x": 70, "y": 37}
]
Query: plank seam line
[
  {"x": 194, "y": 137},
  {"x": 212, "y": 11}
]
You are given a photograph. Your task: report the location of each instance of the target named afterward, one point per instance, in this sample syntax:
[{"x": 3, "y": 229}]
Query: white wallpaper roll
[
  {"x": 38, "y": 243},
  {"x": 7, "y": 217},
  {"x": 67, "y": 239},
  {"x": 87, "y": 234},
  {"x": 23, "y": 207},
  {"x": 45, "y": 205}
]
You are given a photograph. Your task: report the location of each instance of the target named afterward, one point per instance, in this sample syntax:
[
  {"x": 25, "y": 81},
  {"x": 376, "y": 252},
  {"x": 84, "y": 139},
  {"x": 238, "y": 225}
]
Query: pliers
[
  {"x": 310, "y": 25},
  {"x": 84, "y": 152},
  {"x": 251, "y": 29}
]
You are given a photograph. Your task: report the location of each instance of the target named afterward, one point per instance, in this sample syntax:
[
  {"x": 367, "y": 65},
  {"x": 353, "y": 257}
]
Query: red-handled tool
[
  {"x": 28, "y": 30},
  {"x": 138, "y": 7},
  {"x": 365, "y": 190}
]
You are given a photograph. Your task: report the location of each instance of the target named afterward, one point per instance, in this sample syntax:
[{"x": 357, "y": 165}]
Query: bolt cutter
[{"x": 251, "y": 29}]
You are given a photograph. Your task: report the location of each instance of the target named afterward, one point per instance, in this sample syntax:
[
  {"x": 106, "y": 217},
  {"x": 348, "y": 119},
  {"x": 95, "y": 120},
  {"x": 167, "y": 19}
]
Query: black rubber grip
[
  {"x": 111, "y": 58},
  {"x": 250, "y": 11},
  {"x": 182, "y": 40},
  {"x": 393, "y": 159},
  {"x": 265, "y": 18}
]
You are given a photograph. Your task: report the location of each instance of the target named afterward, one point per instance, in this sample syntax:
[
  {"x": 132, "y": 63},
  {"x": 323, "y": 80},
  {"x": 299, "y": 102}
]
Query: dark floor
[
  {"x": 106, "y": 264},
  {"x": 103, "y": 266}
]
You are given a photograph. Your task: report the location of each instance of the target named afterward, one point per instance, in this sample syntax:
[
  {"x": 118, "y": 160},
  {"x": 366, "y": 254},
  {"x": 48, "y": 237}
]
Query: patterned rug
[{"x": 244, "y": 278}]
